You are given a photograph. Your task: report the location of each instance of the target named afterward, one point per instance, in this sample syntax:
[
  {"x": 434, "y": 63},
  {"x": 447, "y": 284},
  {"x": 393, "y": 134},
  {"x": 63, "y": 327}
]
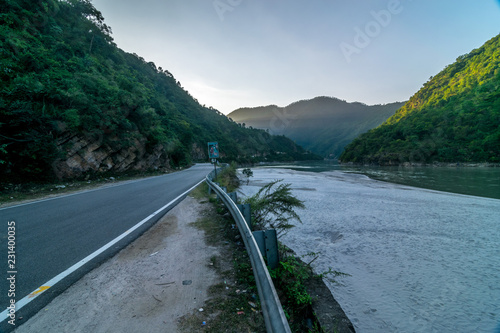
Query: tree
[
  {"x": 248, "y": 173},
  {"x": 62, "y": 76}
]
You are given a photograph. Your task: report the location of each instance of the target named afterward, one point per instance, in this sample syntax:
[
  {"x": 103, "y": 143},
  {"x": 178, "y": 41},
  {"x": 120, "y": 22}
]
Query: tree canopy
[
  {"x": 454, "y": 117},
  {"x": 61, "y": 72}
]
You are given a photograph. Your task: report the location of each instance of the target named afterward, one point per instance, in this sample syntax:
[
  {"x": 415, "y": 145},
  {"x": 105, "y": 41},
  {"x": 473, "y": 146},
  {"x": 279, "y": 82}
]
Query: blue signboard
[{"x": 213, "y": 150}]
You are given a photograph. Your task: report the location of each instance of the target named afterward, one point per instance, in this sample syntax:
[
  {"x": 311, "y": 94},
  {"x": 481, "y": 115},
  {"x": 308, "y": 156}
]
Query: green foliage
[
  {"x": 72, "y": 118},
  {"x": 248, "y": 173},
  {"x": 227, "y": 177},
  {"x": 61, "y": 74},
  {"x": 455, "y": 117},
  {"x": 324, "y": 125},
  {"x": 273, "y": 206},
  {"x": 291, "y": 277},
  {"x": 3, "y": 152}
]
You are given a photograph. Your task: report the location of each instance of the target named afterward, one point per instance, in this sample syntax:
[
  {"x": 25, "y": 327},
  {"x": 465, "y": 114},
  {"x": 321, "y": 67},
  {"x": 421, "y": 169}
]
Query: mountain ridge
[
  {"x": 454, "y": 117},
  {"x": 322, "y": 124}
]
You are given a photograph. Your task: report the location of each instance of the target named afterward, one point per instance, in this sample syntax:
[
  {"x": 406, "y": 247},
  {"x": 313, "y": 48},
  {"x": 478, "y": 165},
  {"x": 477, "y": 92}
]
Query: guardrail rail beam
[{"x": 274, "y": 316}]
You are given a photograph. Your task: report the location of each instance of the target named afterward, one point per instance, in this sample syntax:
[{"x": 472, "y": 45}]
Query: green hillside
[
  {"x": 455, "y": 117},
  {"x": 73, "y": 103},
  {"x": 325, "y": 125}
]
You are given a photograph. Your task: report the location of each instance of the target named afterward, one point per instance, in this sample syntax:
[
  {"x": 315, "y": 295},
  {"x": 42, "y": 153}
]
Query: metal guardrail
[{"x": 274, "y": 316}]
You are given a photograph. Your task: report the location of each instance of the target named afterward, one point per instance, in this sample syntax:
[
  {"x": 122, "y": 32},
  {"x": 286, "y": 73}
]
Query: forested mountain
[
  {"x": 325, "y": 125},
  {"x": 454, "y": 117},
  {"x": 73, "y": 103}
]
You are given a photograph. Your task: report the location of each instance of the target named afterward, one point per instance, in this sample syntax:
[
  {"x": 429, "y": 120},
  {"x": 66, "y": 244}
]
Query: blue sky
[{"x": 237, "y": 53}]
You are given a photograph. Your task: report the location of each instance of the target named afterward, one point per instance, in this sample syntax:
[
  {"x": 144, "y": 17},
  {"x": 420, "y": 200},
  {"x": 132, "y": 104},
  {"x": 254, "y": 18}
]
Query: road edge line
[{"x": 47, "y": 285}]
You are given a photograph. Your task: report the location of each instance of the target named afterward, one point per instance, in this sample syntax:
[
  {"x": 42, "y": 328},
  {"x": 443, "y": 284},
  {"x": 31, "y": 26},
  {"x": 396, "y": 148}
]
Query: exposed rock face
[
  {"x": 87, "y": 154},
  {"x": 197, "y": 153}
]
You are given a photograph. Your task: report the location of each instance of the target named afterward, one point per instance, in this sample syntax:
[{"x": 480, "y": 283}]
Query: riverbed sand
[{"x": 419, "y": 260}]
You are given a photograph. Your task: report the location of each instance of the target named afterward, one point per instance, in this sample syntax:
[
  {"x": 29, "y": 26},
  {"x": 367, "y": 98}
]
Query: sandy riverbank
[{"x": 420, "y": 260}]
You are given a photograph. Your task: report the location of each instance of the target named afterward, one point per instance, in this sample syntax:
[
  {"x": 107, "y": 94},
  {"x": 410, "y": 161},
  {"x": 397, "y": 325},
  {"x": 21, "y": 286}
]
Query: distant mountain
[
  {"x": 454, "y": 117},
  {"x": 324, "y": 125},
  {"x": 73, "y": 104}
]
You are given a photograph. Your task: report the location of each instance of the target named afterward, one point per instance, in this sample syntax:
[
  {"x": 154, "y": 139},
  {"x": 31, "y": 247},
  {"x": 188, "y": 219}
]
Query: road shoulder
[{"x": 160, "y": 277}]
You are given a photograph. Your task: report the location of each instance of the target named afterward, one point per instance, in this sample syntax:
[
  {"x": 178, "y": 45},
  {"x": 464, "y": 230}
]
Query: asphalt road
[{"x": 55, "y": 234}]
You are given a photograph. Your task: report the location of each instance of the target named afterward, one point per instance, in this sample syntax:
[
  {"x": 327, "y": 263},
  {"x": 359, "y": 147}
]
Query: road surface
[{"x": 60, "y": 239}]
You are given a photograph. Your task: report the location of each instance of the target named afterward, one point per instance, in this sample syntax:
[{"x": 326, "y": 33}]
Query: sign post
[{"x": 213, "y": 154}]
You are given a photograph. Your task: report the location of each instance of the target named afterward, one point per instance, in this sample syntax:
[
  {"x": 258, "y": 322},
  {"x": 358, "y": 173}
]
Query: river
[
  {"x": 419, "y": 260},
  {"x": 478, "y": 181}
]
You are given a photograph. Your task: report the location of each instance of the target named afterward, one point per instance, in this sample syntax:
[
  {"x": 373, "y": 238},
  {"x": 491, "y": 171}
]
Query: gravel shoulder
[{"x": 147, "y": 287}]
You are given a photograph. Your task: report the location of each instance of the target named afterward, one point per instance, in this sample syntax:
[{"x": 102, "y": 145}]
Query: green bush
[{"x": 273, "y": 206}]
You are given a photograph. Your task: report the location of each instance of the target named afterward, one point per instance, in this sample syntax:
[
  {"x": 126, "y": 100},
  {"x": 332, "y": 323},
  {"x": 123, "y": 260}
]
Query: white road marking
[
  {"x": 37, "y": 292},
  {"x": 103, "y": 187}
]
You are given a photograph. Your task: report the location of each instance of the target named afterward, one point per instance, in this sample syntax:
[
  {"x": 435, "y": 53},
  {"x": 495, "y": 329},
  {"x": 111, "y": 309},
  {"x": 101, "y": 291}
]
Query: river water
[
  {"x": 478, "y": 181},
  {"x": 419, "y": 260}
]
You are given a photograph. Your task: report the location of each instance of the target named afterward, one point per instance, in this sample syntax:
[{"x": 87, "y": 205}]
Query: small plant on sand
[{"x": 247, "y": 173}]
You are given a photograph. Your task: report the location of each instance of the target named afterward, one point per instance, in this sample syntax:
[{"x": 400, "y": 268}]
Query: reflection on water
[{"x": 478, "y": 181}]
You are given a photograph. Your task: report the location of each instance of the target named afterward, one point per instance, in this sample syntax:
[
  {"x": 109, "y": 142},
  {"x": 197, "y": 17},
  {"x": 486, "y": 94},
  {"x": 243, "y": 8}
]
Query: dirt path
[{"x": 146, "y": 287}]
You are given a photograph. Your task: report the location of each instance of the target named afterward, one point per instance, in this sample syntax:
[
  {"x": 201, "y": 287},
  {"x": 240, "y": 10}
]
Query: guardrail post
[
  {"x": 224, "y": 189},
  {"x": 268, "y": 246},
  {"x": 246, "y": 212},
  {"x": 233, "y": 197}
]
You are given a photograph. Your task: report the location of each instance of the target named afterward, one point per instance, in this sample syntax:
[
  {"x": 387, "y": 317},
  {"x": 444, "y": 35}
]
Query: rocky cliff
[
  {"x": 72, "y": 103},
  {"x": 86, "y": 154}
]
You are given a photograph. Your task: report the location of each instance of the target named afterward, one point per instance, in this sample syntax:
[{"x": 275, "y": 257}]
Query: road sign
[{"x": 213, "y": 150}]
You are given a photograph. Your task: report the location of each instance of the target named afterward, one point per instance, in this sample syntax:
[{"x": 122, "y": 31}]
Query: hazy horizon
[{"x": 235, "y": 53}]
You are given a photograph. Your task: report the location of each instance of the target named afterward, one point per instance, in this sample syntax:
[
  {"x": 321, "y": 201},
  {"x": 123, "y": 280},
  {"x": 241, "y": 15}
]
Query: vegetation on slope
[
  {"x": 61, "y": 73},
  {"x": 324, "y": 125},
  {"x": 455, "y": 117}
]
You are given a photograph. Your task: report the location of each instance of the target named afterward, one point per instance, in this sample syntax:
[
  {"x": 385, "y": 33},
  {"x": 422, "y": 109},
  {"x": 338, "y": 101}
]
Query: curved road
[{"x": 65, "y": 237}]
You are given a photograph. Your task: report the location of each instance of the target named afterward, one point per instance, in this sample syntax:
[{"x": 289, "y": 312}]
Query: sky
[{"x": 245, "y": 53}]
